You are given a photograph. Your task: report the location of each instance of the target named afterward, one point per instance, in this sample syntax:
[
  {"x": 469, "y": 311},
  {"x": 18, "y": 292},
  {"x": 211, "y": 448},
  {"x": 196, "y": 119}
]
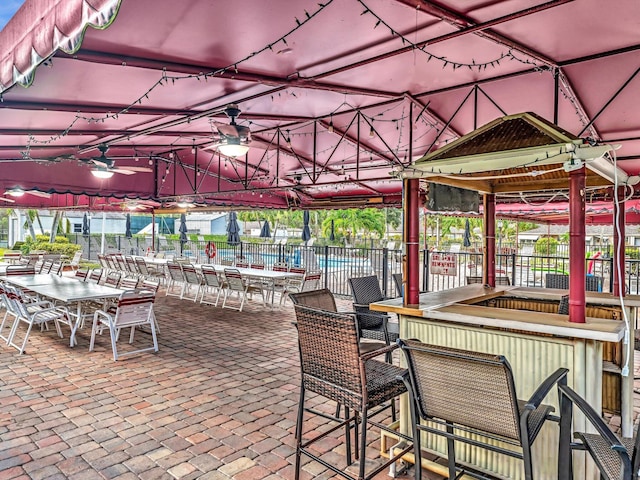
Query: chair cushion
[
  {"x": 382, "y": 381},
  {"x": 607, "y": 458}
]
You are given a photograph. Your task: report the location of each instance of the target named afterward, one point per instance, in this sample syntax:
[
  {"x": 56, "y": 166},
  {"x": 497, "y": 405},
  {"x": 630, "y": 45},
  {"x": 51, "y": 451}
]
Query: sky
[{"x": 7, "y": 9}]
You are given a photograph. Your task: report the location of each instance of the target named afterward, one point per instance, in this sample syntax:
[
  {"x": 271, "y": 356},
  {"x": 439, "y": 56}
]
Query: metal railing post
[
  {"x": 425, "y": 270},
  {"x": 326, "y": 266},
  {"x": 513, "y": 268},
  {"x": 385, "y": 270}
]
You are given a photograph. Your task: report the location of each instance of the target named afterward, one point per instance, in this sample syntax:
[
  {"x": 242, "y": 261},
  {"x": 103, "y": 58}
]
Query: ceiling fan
[
  {"x": 18, "y": 192},
  {"x": 104, "y": 167},
  {"x": 232, "y": 139}
]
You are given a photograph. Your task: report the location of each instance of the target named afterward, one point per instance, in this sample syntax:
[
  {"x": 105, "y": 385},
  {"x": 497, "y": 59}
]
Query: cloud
[{"x": 7, "y": 9}]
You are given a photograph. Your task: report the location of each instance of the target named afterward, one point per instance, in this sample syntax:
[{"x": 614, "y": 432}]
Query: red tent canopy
[{"x": 336, "y": 94}]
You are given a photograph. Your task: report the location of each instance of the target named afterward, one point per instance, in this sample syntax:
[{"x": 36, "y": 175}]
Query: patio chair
[
  {"x": 134, "y": 308},
  {"x": 74, "y": 263},
  {"x": 113, "y": 279},
  {"x": 616, "y": 458},
  {"x": 192, "y": 281},
  {"x": 333, "y": 367},
  {"x": 45, "y": 267},
  {"x": 323, "y": 299},
  {"x": 310, "y": 281},
  {"x": 212, "y": 283},
  {"x": 234, "y": 282},
  {"x": 373, "y": 325},
  {"x": 470, "y": 397},
  {"x": 128, "y": 283},
  {"x": 593, "y": 283},
  {"x": 33, "y": 313},
  {"x": 176, "y": 280}
]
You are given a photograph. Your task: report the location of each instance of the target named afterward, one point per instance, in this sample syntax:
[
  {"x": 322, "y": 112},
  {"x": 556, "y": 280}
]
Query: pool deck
[{"x": 218, "y": 401}]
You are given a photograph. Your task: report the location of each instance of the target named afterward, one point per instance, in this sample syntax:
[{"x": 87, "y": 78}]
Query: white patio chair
[
  {"x": 74, "y": 263},
  {"x": 212, "y": 284},
  {"x": 34, "y": 313},
  {"x": 176, "y": 280},
  {"x": 236, "y": 283},
  {"x": 134, "y": 308},
  {"x": 192, "y": 281},
  {"x": 310, "y": 281}
]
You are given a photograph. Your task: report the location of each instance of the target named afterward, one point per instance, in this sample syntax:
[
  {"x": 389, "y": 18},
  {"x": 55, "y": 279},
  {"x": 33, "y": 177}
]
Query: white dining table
[{"x": 66, "y": 290}]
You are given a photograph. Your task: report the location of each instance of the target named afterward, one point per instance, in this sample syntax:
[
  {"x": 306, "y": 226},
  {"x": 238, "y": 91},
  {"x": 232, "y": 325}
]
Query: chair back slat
[
  {"x": 20, "y": 270},
  {"x": 311, "y": 281},
  {"x": 175, "y": 271},
  {"x": 94, "y": 276},
  {"x": 128, "y": 283},
  {"x": 210, "y": 276},
  {"x": 113, "y": 279},
  {"x": 330, "y": 355},
  {"x": 190, "y": 274},
  {"x": 234, "y": 279},
  {"x": 299, "y": 270},
  {"x": 134, "y": 308},
  {"x": 455, "y": 385}
]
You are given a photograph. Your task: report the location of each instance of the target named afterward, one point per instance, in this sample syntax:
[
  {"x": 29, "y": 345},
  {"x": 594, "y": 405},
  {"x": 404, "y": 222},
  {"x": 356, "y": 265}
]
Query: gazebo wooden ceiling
[{"x": 336, "y": 94}]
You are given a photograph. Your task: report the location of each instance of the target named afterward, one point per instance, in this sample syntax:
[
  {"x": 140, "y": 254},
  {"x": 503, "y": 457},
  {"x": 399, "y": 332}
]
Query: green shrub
[
  {"x": 56, "y": 248},
  {"x": 546, "y": 246}
]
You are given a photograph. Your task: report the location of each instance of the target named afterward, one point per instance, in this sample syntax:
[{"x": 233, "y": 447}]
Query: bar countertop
[{"x": 456, "y": 305}]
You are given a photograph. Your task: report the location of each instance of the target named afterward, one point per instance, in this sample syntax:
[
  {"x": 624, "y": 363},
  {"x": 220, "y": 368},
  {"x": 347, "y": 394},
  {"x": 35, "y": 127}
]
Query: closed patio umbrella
[
  {"x": 85, "y": 225},
  {"x": 332, "y": 233},
  {"x": 306, "y": 231},
  {"x": 466, "y": 241},
  {"x": 183, "y": 231},
  {"x": 127, "y": 230},
  {"x": 265, "y": 232},
  {"x": 233, "y": 229}
]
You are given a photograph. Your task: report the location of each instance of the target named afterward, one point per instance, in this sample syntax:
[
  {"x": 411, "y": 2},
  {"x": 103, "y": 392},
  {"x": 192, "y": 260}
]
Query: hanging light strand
[{"x": 171, "y": 79}]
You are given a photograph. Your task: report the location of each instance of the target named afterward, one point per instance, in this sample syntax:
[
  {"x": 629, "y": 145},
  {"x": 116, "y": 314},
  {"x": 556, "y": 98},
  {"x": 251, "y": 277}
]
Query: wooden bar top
[{"x": 456, "y": 305}]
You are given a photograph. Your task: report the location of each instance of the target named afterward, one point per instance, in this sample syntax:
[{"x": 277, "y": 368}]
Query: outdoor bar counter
[{"x": 519, "y": 323}]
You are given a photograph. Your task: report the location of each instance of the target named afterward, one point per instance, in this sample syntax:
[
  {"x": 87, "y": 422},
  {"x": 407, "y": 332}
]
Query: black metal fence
[{"x": 338, "y": 264}]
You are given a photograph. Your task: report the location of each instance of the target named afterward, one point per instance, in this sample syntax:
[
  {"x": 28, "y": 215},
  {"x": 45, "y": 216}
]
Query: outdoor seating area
[{"x": 183, "y": 411}]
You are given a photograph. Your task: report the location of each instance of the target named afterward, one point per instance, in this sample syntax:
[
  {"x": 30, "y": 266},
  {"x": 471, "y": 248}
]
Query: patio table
[{"x": 66, "y": 290}]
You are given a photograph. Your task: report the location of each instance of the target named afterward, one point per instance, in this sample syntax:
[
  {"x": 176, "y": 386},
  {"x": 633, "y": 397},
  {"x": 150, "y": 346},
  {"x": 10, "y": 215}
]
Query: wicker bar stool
[{"x": 333, "y": 367}]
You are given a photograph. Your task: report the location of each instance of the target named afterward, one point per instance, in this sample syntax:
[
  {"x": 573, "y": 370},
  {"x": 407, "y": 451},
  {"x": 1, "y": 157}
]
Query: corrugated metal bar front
[{"x": 532, "y": 359}]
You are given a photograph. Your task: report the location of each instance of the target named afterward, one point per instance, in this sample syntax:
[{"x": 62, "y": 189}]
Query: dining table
[{"x": 66, "y": 290}]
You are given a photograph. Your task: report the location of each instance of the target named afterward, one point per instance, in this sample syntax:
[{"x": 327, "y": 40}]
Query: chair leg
[
  {"x": 347, "y": 434},
  {"x": 113, "y": 334},
  {"x": 363, "y": 443},
  {"x": 299, "y": 432},
  {"x": 451, "y": 453}
]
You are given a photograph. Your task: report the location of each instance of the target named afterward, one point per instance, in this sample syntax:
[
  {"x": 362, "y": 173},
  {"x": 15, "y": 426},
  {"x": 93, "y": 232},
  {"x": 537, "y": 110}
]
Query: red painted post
[
  {"x": 619, "y": 287},
  {"x": 489, "y": 258},
  {"x": 577, "y": 270},
  {"x": 411, "y": 240}
]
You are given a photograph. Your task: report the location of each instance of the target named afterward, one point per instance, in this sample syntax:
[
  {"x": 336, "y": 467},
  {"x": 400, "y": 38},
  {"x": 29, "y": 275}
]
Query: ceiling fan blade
[
  {"x": 228, "y": 130},
  {"x": 137, "y": 169},
  {"x": 122, "y": 170},
  {"x": 38, "y": 194}
]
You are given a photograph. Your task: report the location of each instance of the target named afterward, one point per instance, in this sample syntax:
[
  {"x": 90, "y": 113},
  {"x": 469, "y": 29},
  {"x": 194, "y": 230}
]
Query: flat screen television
[{"x": 445, "y": 198}]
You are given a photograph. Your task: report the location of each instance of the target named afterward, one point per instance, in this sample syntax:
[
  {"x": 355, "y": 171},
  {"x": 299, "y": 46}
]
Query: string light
[
  {"x": 444, "y": 60},
  {"x": 330, "y": 128},
  {"x": 165, "y": 79}
]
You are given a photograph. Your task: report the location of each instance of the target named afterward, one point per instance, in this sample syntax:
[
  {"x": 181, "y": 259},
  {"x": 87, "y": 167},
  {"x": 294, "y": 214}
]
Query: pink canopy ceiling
[{"x": 336, "y": 94}]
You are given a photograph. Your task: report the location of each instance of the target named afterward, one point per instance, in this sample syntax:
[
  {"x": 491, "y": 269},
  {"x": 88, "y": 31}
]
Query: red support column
[
  {"x": 577, "y": 270},
  {"x": 489, "y": 257},
  {"x": 619, "y": 287},
  {"x": 411, "y": 240}
]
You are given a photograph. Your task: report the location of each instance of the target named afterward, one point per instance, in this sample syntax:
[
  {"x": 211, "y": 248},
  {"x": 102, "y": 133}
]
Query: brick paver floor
[{"x": 218, "y": 401}]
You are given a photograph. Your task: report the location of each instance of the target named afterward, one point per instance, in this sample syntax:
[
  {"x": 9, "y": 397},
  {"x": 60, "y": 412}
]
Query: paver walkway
[{"x": 218, "y": 401}]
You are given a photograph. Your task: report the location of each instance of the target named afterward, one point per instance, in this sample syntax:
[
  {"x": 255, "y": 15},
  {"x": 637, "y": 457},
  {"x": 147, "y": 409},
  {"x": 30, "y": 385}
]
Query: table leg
[{"x": 74, "y": 329}]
